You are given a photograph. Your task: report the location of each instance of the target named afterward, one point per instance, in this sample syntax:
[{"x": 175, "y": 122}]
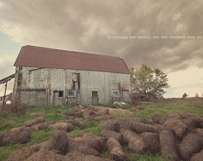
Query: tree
[{"x": 149, "y": 81}]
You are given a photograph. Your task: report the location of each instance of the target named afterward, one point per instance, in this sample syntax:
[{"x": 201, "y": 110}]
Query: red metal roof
[{"x": 32, "y": 56}]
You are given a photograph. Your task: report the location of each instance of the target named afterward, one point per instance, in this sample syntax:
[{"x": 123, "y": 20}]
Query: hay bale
[
  {"x": 60, "y": 142},
  {"x": 151, "y": 141},
  {"x": 111, "y": 134},
  {"x": 20, "y": 129},
  {"x": 135, "y": 142},
  {"x": 168, "y": 144},
  {"x": 102, "y": 112},
  {"x": 104, "y": 117},
  {"x": 41, "y": 126},
  {"x": 76, "y": 156},
  {"x": 175, "y": 114},
  {"x": 140, "y": 127},
  {"x": 193, "y": 122},
  {"x": 45, "y": 156},
  {"x": 110, "y": 125},
  {"x": 199, "y": 131},
  {"x": 21, "y": 137},
  {"x": 79, "y": 124},
  {"x": 23, "y": 153},
  {"x": 191, "y": 144},
  {"x": 158, "y": 119},
  {"x": 188, "y": 114},
  {"x": 82, "y": 148},
  {"x": 73, "y": 112},
  {"x": 125, "y": 123},
  {"x": 197, "y": 157},
  {"x": 87, "y": 115},
  {"x": 33, "y": 122},
  {"x": 178, "y": 126},
  {"x": 61, "y": 126},
  {"x": 102, "y": 140},
  {"x": 115, "y": 150}
]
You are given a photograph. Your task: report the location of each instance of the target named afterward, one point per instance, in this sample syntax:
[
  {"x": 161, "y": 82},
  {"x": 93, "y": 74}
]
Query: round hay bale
[
  {"x": 23, "y": 153},
  {"x": 140, "y": 127},
  {"x": 110, "y": 125},
  {"x": 135, "y": 142},
  {"x": 21, "y": 137},
  {"x": 191, "y": 144},
  {"x": 41, "y": 126},
  {"x": 73, "y": 112},
  {"x": 168, "y": 144},
  {"x": 199, "y": 131},
  {"x": 79, "y": 124},
  {"x": 158, "y": 119},
  {"x": 45, "y": 156},
  {"x": 104, "y": 117},
  {"x": 175, "y": 114},
  {"x": 151, "y": 141},
  {"x": 61, "y": 126},
  {"x": 192, "y": 122},
  {"x": 87, "y": 115},
  {"x": 125, "y": 123},
  {"x": 76, "y": 156},
  {"x": 102, "y": 112},
  {"x": 188, "y": 114},
  {"x": 60, "y": 142},
  {"x": 197, "y": 156},
  {"x": 102, "y": 140},
  {"x": 20, "y": 129},
  {"x": 178, "y": 126},
  {"x": 111, "y": 134},
  {"x": 115, "y": 150},
  {"x": 33, "y": 122},
  {"x": 82, "y": 148}
]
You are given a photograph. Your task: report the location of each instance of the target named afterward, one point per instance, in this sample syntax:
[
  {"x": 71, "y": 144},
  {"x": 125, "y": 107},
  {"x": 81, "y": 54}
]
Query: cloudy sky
[{"x": 159, "y": 33}]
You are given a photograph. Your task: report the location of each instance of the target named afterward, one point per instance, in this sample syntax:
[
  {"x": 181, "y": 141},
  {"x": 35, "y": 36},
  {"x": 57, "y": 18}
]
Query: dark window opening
[
  {"x": 73, "y": 85},
  {"x": 60, "y": 93},
  {"x": 94, "y": 93}
]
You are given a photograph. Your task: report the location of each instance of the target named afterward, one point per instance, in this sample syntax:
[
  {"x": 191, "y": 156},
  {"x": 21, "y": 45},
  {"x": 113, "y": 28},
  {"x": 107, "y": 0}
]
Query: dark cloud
[{"x": 85, "y": 26}]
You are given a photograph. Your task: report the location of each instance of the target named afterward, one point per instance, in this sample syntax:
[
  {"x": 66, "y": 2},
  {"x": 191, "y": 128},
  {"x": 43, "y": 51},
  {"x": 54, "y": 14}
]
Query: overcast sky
[{"x": 159, "y": 33}]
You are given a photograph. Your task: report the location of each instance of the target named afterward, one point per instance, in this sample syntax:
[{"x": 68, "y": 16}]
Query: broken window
[
  {"x": 71, "y": 93},
  {"x": 60, "y": 93},
  {"x": 115, "y": 94}
]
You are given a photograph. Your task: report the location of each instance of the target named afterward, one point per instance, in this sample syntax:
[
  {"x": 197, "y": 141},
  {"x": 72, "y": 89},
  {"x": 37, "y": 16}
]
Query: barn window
[
  {"x": 60, "y": 93},
  {"x": 115, "y": 94},
  {"x": 71, "y": 93}
]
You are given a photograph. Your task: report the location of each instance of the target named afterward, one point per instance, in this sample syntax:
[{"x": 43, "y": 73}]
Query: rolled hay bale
[
  {"x": 21, "y": 137},
  {"x": 125, "y": 123},
  {"x": 115, "y": 150},
  {"x": 77, "y": 145},
  {"x": 140, "y": 127},
  {"x": 76, "y": 156},
  {"x": 158, "y": 119},
  {"x": 175, "y": 114},
  {"x": 111, "y": 134},
  {"x": 41, "y": 126},
  {"x": 193, "y": 122},
  {"x": 101, "y": 112},
  {"x": 20, "y": 129},
  {"x": 79, "y": 124},
  {"x": 60, "y": 142},
  {"x": 75, "y": 111},
  {"x": 87, "y": 115},
  {"x": 197, "y": 157},
  {"x": 104, "y": 117},
  {"x": 199, "y": 131},
  {"x": 45, "y": 155},
  {"x": 188, "y": 114},
  {"x": 33, "y": 122},
  {"x": 151, "y": 141},
  {"x": 145, "y": 121},
  {"x": 102, "y": 140},
  {"x": 110, "y": 125},
  {"x": 168, "y": 145},
  {"x": 135, "y": 142},
  {"x": 191, "y": 144},
  {"x": 178, "y": 126},
  {"x": 61, "y": 126},
  {"x": 22, "y": 154}
]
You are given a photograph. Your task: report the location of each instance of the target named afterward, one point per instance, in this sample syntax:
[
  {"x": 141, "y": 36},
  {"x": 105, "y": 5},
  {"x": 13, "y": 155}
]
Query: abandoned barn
[{"x": 47, "y": 77}]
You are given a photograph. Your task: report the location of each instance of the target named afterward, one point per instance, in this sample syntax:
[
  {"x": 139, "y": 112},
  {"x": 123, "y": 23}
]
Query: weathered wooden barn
[{"x": 47, "y": 77}]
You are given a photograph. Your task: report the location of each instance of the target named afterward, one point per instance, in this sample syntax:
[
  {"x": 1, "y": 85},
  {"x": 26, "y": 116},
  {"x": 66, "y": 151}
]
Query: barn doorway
[
  {"x": 95, "y": 98},
  {"x": 58, "y": 98}
]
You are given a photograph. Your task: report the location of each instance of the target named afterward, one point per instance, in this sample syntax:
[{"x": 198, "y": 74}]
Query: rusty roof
[{"x": 33, "y": 56}]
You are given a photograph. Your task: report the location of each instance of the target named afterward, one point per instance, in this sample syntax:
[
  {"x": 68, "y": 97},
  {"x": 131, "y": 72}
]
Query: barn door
[
  {"x": 95, "y": 97},
  {"x": 58, "y": 98}
]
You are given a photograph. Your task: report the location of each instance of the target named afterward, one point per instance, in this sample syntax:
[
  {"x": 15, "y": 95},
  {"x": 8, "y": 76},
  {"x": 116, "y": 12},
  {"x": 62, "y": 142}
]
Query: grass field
[{"x": 147, "y": 109}]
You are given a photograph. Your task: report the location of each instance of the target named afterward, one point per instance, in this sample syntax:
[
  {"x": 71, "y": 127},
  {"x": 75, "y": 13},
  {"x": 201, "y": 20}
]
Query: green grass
[{"x": 53, "y": 114}]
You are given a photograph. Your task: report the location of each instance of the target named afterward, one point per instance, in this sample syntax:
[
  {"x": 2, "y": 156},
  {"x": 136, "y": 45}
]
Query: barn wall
[{"x": 63, "y": 86}]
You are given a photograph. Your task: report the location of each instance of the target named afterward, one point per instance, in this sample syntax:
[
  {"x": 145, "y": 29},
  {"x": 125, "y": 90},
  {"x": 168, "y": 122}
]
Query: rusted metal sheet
[{"x": 40, "y": 57}]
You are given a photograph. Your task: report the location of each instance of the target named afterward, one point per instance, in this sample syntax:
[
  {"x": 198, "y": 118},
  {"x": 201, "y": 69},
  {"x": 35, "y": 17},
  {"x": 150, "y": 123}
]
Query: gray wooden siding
[{"x": 64, "y": 80}]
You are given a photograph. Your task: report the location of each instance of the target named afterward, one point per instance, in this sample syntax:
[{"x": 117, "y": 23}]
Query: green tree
[{"x": 149, "y": 81}]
